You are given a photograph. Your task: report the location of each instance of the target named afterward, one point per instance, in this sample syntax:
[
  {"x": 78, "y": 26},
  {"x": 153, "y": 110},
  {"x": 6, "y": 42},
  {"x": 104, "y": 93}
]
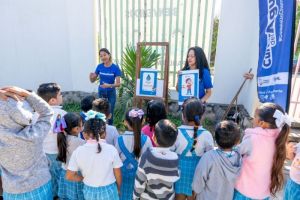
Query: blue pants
[
  {"x": 42, "y": 193},
  {"x": 292, "y": 190},
  {"x": 111, "y": 96}
]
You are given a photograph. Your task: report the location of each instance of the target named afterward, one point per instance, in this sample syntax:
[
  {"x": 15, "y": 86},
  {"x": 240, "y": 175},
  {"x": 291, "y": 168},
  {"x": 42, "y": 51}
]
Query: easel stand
[{"x": 138, "y": 99}]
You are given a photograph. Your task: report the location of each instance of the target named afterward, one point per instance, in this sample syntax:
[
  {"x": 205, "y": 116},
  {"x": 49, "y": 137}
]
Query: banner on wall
[{"x": 276, "y": 33}]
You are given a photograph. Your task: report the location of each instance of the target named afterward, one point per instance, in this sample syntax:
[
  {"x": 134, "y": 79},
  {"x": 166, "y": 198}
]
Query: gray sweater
[
  {"x": 215, "y": 175},
  {"x": 22, "y": 160}
]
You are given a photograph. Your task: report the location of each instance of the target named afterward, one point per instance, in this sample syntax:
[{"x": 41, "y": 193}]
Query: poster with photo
[
  {"x": 188, "y": 85},
  {"x": 148, "y": 82}
]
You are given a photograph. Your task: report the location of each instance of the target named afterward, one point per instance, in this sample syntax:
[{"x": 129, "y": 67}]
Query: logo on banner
[{"x": 270, "y": 33}]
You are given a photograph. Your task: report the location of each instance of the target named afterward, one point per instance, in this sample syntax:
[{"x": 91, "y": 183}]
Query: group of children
[{"x": 46, "y": 152}]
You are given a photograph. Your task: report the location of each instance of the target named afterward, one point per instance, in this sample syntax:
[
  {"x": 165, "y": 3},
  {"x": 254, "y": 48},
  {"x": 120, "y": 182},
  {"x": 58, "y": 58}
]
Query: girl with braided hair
[
  {"x": 98, "y": 162},
  {"x": 192, "y": 142}
]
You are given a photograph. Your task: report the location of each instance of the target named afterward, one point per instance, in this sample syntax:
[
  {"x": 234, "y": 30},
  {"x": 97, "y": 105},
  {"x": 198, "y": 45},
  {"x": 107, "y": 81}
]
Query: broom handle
[{"x": 234, "y": 98}]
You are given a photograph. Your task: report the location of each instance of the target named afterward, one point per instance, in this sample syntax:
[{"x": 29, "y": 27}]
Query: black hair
[
  {"x": 192, "y": 110},
  {"x": 155, "y": 111},
  {"x": 48, "y": 91},
  {"x": 165, "y": 133},
  {"x": 227, "y": 134},
  {"x": 96, "y": 127},
  {"x": 72, "y": 120},
  {"x": 102, "y": 105},
  {"x": 106, "y": 51},
  {"x": 86, "y": 103},
  {"x": 201, "y": 60},
  {"x": 265, "y": 113},
  {"x": 136, "y": 125}
]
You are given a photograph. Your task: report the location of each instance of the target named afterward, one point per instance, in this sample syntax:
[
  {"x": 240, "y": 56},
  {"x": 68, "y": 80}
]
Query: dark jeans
[{"x": 111, "y": 96}]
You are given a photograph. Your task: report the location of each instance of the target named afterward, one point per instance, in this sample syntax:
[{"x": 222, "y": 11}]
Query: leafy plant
[{"x": 149, "y": 58}]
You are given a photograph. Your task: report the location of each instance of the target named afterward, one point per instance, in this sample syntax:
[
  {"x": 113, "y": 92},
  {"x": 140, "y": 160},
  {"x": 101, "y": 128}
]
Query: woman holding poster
[
  {"x": 196, "y": 60},
  {"x": 109, "y": 78}
]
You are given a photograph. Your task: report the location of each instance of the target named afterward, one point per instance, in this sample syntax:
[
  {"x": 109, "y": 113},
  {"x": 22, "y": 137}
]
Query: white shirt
[
  {"x": 112, "y": 134},
  {"x": 96, "y": 168},
  {"x": 128, "y": 139},
  {"x": 205, "y": 141},
  {"x": 50, "y": 142},
  {"x": 72, "y": 143}
]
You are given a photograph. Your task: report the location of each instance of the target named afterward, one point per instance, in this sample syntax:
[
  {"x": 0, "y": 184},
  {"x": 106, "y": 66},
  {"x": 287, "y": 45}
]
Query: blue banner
[{"x": 276, "y": 19}]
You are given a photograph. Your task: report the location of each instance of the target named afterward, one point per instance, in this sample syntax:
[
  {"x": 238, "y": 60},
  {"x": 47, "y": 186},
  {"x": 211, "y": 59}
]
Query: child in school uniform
[
  {"x": 155, "y": 111},
  {"x": 131, "y": 145},
  {"x": 86, "y": 105},
  {"x": 262, "y": 171},
  {"x": 102, "y": 105},
  {"x": 292, "y": 187},
  {"x": 192, "y": 142},
  {"x": 68, "y": 141},
  {"x": 51, "y": 93},
  {"x": 24, "y": 166},
  {"x": 219, "y": 167},
  {"x": 97, "y": 161},
  {"x": 158, "y": 166}
]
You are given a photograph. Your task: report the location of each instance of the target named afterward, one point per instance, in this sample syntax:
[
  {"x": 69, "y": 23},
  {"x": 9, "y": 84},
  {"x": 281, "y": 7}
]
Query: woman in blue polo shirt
[
  {"x": 196, "y": 59},
  {"x": 109, "y": 75}
]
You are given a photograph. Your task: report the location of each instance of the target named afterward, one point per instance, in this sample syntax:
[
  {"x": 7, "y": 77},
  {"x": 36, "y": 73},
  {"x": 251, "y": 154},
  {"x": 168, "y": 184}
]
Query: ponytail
[
  {"x": 96, "y": 127},
  {"x": 277, "y": 177},
  {"x": 134, "y": 117},
  {"x": 62, "y": 147},
  {"x": 196, "y": 127},
  {"x": 137, "y": 126},
  {"x": 63, "y": 126}
]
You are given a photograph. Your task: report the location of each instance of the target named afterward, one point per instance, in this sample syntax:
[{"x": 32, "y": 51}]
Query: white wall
[
  {"x": 237, "y": 52},
  {"x": 47, "y": 41}
]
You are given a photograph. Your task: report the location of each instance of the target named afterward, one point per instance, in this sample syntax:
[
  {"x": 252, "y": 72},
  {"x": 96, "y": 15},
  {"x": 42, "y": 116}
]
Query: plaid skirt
[
  {"x": 238, "y": 196},
  {"x": 109, "y": 192},
  {"x": 127, "y": 185},
  {"x": 187, "y": 167},
  {"x": 55, "y": 168},
  {"x": 42, "y": 193},
  {"x": 292, "y": 190},
  {"x": 69, "y": 189}
]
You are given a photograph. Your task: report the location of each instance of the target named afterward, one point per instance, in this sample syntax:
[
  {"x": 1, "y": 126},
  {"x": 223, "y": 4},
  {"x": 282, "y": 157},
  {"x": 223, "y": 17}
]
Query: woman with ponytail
[
  {"x": 131, "y": 145},
  {"x": 262, "y": 171},
  {"x": 68, "y": 128},
  {"x": 192, "y": 142},
  {"x": 97, "y": 161}
]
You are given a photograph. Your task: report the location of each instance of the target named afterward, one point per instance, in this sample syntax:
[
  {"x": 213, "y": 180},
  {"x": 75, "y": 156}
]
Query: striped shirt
[{"x": 156, "y": 174}]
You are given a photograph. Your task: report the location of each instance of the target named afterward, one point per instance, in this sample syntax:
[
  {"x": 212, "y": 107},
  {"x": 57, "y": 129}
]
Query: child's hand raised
[{"x": 13, "y": 92}]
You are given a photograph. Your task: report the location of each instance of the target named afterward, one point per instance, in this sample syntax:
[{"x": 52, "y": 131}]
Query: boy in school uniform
[
  {"x": 51, "y": 93},
  {"x": 158, "y": 167}
]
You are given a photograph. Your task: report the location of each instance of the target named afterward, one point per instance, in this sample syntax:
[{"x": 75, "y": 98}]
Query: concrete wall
[
  {"x": 47, "y": 41},
  {"x": 237, "y": 52}
]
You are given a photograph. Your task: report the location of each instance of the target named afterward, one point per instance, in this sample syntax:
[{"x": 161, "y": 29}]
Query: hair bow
[
  {"x": 95, "y": 115},
  {"x": 59, "y": 125},
  {"x": 136, "y": 113},
  {"x": 282, "y": 119}
]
